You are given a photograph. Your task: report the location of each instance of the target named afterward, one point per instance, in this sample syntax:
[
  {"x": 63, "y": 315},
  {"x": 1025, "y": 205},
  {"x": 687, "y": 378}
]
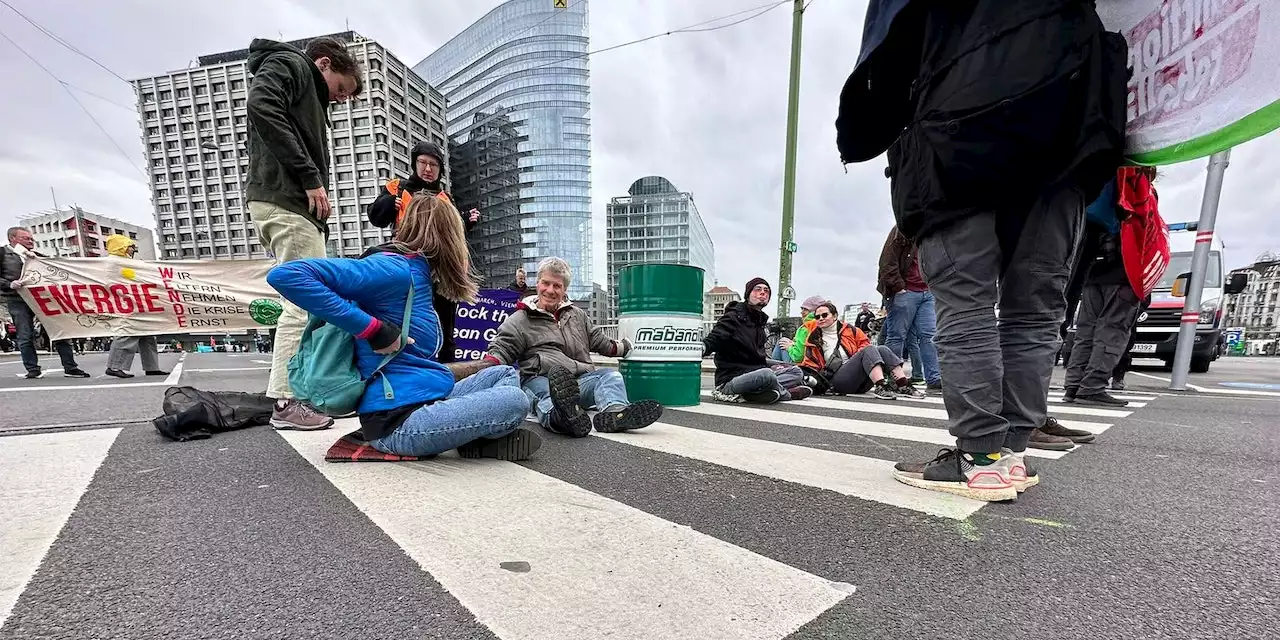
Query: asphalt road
[{"x": 775, "y": 523}]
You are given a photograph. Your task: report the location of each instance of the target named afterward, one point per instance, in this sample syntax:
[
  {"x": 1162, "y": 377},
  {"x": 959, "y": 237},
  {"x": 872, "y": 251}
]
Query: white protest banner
[
  {"x": 1206, "y": 74},
  {"x": 112, "y": 296}
]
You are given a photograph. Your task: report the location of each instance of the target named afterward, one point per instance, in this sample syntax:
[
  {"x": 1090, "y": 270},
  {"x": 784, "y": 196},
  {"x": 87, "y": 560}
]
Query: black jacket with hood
[
  {"x": 984, "y": 104},
  {"x": 287, "y": 110},
  {"x": 384, "y": 211},
  {"x": 737, "y": 340}
]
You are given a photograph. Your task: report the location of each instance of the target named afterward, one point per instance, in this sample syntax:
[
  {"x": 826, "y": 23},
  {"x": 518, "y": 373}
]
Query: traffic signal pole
[{"x": 787, "y": 246}]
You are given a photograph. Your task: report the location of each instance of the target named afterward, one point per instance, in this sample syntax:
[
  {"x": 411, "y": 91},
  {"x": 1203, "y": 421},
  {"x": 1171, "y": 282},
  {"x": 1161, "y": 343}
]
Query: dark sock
[{"x": 903, "y": 382}]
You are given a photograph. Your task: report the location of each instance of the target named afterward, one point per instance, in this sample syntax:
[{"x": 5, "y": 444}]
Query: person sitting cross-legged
[
  {"x": 738, "y": 342},
  {"x": 841, "y": 359},
  {"x": 551, "y": 341}
]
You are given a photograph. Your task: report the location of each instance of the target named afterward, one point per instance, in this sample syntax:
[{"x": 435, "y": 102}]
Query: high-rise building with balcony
[
  {"x": 75, "y": 233},
  {"x": 194, "y": 130},
  {"x": 655, "y": 222},
  {"x": 519, "y": 101}
]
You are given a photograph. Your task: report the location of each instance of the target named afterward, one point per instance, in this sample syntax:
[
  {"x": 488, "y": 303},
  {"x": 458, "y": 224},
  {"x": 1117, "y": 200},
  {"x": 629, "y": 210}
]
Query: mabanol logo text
[{"x": 667, "y": 334}]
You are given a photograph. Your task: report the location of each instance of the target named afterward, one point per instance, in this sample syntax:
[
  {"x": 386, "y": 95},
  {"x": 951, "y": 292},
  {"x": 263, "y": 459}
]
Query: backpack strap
[{"x": 387, "y": 391}]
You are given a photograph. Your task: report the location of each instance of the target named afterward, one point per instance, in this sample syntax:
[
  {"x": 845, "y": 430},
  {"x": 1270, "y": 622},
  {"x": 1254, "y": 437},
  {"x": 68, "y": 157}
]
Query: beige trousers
[{"x": 286, "y": 236}]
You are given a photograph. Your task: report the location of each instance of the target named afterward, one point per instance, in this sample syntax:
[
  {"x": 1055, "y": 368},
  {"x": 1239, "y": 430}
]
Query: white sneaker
[
  {"x": 721, "y": 396},
  {"x": 1022, "y": 476}
]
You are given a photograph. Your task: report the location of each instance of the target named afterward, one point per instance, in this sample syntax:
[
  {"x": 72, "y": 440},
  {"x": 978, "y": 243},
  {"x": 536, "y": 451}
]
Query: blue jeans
[
  {"x": 913, "y": 353},
  {"x": 601, "y": 389},
  {"x": 914, "y": 311},
  {"x": 488, "y": 404},
  {"x": 780, "y": 354},
  {"x": 24, "y": 319}
]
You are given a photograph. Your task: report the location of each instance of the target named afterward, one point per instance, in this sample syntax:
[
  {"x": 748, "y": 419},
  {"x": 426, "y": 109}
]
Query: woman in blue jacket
[{"x": 436, "y": 407}]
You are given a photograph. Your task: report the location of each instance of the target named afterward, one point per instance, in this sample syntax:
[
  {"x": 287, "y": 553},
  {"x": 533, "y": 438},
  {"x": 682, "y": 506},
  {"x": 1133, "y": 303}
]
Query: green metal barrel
[{"x": 660, "y": 312}]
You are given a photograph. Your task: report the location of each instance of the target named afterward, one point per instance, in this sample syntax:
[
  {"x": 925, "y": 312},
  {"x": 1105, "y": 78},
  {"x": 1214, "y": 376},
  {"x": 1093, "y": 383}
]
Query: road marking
[
  {"x": 926, "y": 435},
  {"x": 851, "y": 475},
  {"x": 41, "y": 478},
  {"x": 78, "y": 387},
  {"x": 901, "y": 408},
  {"x": 229, "y": 369},
  {"x": 1223, "y": 392},
  {"x": 261, "y": 362},
  {"x": 597, "y": 567},
  {"x": 1135, "y": 402},
  {"x": 176, "y": 374}
]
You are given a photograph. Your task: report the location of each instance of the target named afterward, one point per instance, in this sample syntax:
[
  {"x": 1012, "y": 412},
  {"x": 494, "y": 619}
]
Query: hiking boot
[
  {"x": 800, "y": 393},
  {"x": 295, "y": 415},
  {"x": 1102, "y": 399},
  {"x": 1021, "y": 474},
  {"x": 566, "y": 416},
  {"x": 32, "y": 375},
  {"x": 956, "y": 472},
  {"x": 909, "y": 391},
  {"x": 1042, "y": 440},
  {"x": 117, "y": 373},
  {"x": 1118, "y": 384},
  {"x": 1069, "y": 394},
  {"x": 1054, "y": 428},
  {"x": 883, "y": 391},
  {"x": 157, "y": 372},
  {"x": 720, "y": 396},
  {"x": 636, "y": 415},
  {"x": 76, "y": 373},
  {"x": 772, "y": 396},
  {"x": 517, "y": 445}
]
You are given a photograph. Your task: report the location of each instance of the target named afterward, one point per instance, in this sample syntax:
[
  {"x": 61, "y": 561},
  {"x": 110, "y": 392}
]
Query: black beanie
[{"x": 751, "y": 284}]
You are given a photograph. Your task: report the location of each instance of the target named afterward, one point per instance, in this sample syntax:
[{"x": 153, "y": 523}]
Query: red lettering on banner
[
  {"x": 166, "y": 273},
  {"x": 39, "y": 293},
  {"x": 148, "y": 291},
  {"x": 124, "y": 303},
  {"x": 173, "y": 295},
  {"x": 80, "y": 293},
  {"x": 101, "y": 298},
  {"x": 63, "y": 298},
  {"x": 182, "y": 322}
]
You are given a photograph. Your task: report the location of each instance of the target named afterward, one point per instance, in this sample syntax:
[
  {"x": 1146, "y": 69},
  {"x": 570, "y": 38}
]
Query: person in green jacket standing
[{"x": 286, "y": 191}]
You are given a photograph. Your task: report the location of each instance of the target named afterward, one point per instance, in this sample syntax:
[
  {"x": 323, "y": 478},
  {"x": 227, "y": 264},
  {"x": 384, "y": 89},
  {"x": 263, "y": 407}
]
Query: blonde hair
[{"x": 431, "y": 226}]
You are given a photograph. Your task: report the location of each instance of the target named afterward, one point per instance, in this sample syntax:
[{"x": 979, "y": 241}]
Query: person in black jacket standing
[
  {"x": 12, "y": 259},
  {"x": 427, "y": 180},
  {"x": 738, "y": 342},
  {"x": 1001, "y": 120}
]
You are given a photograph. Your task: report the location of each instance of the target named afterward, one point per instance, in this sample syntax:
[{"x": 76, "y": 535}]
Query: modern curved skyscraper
[{"x": 518, "y": 92}]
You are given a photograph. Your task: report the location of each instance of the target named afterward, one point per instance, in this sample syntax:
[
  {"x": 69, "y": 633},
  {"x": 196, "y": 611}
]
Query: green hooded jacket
[
  {"x": 288, "y": 128},
  {"x": 802, "y": 337}
]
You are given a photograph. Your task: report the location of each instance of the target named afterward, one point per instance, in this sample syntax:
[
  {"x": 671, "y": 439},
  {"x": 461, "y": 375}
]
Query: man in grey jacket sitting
[{"x": 551, "y": 342}]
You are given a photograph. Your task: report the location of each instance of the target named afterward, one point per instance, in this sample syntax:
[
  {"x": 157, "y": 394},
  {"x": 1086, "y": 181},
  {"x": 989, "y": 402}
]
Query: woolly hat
[
  {"x": 813, "y": 302},
  {"x": 751, "y": 284}
]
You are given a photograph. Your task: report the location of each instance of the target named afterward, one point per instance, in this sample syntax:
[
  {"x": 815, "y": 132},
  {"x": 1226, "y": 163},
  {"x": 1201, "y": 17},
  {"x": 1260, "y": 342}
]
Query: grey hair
[
  {"x": 13, "y": 231},
  {"x": 556, "y": 267}
]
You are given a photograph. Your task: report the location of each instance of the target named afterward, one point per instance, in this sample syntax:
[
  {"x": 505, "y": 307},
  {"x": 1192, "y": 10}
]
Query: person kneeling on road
[
  {"x": 841, "y": 359},
  {"x": 551, "y": 341},
  {"x": 743, "y": 374},
  {"x": 473, "y": 407}
]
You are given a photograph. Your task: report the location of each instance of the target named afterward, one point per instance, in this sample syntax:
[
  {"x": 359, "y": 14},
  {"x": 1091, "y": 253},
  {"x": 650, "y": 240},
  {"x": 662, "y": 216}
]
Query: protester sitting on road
[
  {"x": 123, "y": 348},
  {"x": 388, "y": 209},
  {"x": 436, "y": 407},
  {"x": 12, "y": 260},
  {"x": 840, "y": 358},
  {"x": 551, "y": 341},
  {"x": 737, "y": 340},
  {"x": 792, "y": 350}
]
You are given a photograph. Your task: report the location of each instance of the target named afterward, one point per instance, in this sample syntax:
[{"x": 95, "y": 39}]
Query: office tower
[
  {"x": 194, "y": 130},
  {"x": 655, "y": 222},
  {"x": 76, "y": 233},
  {"x": 518, "y": 91}
]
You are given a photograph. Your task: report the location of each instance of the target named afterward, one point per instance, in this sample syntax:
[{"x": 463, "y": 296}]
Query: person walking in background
[
  {"x": 743, "y": 374},
  {"x": 120, "y": 358},
  {"x": 386, "y": 211},
  {"x": 1001, "y": 121},
  {"x": 12, "y": 259},
  {"x": 435, "y": 407},
  {"x": 286, "y": 190},
  {"x": 912, "y": 319}
]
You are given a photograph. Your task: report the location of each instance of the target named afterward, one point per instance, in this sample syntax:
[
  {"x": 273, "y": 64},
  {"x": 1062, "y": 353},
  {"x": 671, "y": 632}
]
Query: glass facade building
[
  {"x": 517, "y": 89},
  {"x": 655, "y": 223}
]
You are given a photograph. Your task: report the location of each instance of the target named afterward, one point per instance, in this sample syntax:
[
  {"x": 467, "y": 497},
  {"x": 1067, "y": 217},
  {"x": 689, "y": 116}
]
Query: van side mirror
[
  {"x": 1236, "y": 283},
  {"x": 1180, "y": 286}
]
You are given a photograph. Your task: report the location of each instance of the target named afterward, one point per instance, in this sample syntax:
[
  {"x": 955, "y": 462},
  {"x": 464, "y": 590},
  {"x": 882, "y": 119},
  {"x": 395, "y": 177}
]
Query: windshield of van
[{"x": 1180, "y": 263}]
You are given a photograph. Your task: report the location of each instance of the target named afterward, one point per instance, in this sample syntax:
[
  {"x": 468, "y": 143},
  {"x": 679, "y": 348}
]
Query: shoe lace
[
  {"x": 943, "y": 454},
  {"x": 1050, "y": 422}
]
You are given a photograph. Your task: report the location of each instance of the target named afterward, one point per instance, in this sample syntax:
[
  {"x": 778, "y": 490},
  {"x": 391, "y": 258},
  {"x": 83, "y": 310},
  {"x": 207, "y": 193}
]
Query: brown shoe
[
  {"x": 1055, "y": 428},
  {"x": 298, "y": 416},
  {"x": 1042, "y": 440}
]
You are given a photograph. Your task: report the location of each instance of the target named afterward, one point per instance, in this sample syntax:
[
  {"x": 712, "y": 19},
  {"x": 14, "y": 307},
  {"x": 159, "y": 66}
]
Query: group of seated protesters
[
  {"x": 833, "y": 357},
  {"x": 540, "y": 360}
]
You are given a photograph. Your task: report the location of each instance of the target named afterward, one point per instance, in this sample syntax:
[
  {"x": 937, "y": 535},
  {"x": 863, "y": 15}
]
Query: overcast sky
[{"x": 706, "y": 110}]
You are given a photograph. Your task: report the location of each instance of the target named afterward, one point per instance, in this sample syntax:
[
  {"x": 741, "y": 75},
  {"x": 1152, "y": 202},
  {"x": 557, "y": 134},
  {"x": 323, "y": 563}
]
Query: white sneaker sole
[
  {"x": 281, "y": 425},
  {"x": 994, "y": 494}
]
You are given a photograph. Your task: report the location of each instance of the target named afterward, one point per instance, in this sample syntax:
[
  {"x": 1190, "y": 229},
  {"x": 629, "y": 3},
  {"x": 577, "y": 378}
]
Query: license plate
[{"x": 1143, "y": 347}]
